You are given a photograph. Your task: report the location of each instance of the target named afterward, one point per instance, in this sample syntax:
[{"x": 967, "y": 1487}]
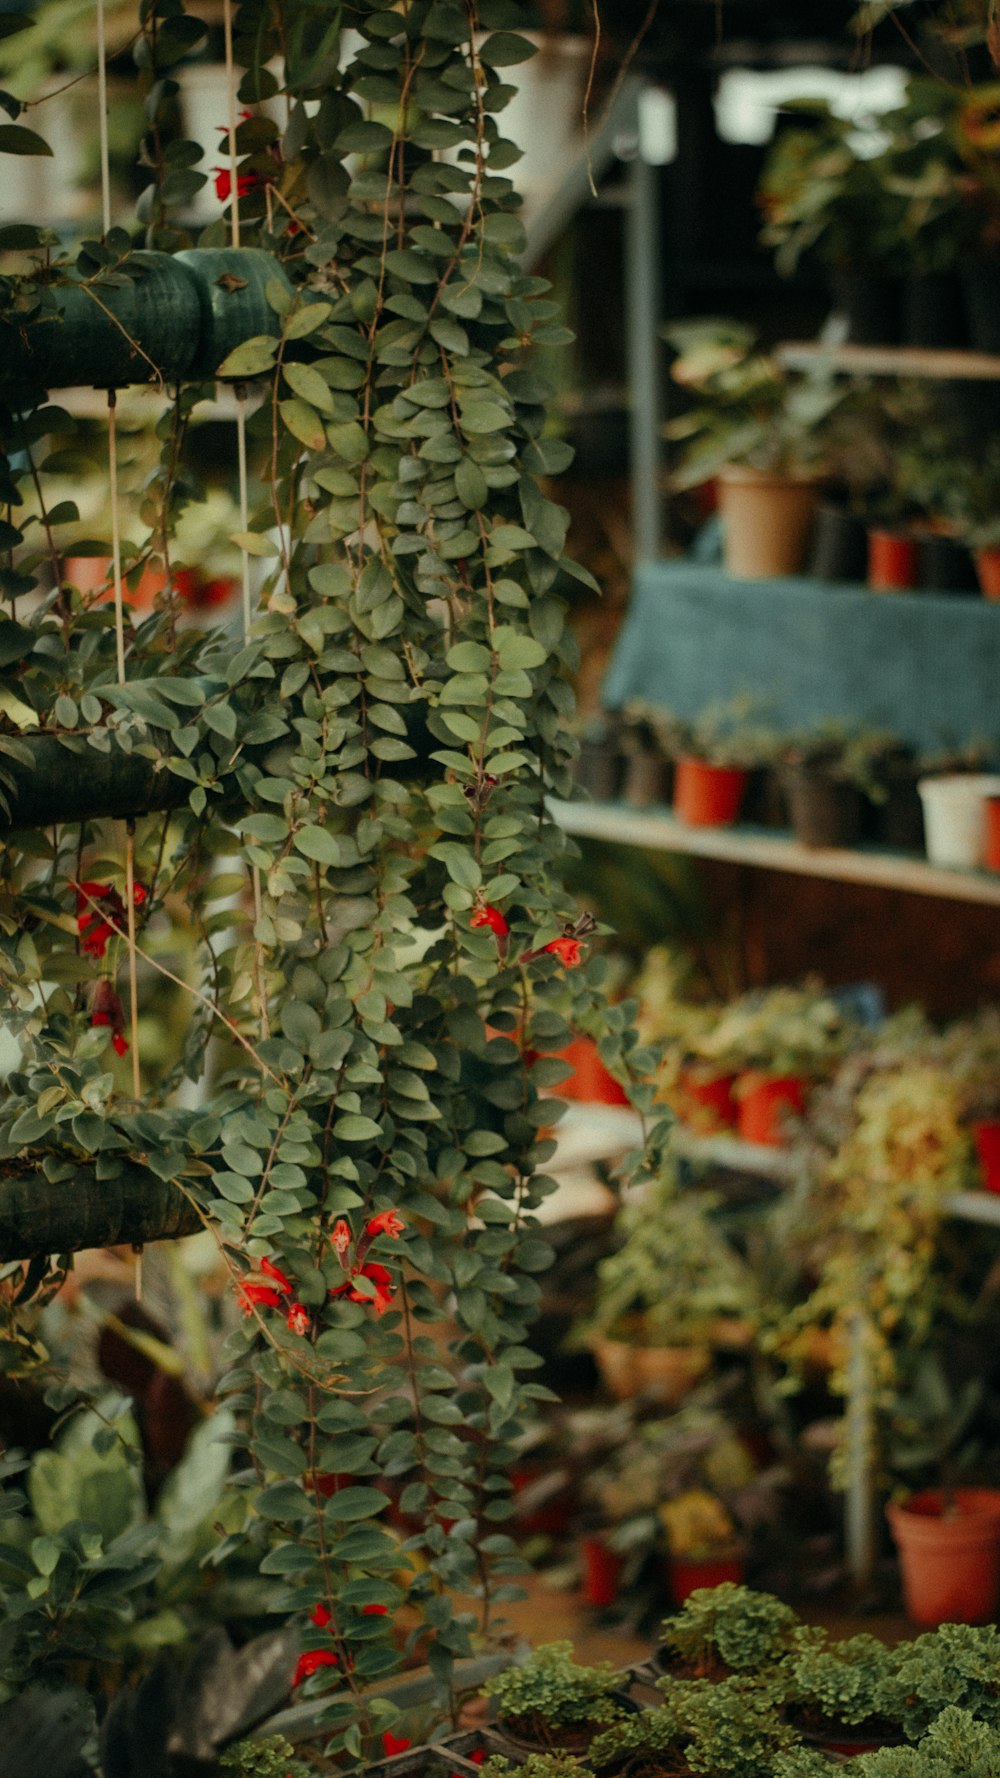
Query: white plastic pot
[{"x": 954, "y": 808}]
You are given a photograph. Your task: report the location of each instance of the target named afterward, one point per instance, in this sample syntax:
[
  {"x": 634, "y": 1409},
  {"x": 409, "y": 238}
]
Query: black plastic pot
[
  {"x": 869, "y": 302},
  {"x": 231, "y": 282},
  {"x": 107, "y": 334},
  {"x": 945, "y": 565},
  {"x": 646, "y": 780},
  {"x": 599, "y": 763},
  {"x": 839, "y": 545},
  {"x": 933, "y": 311},
  {"x": 823, "y": 811}
]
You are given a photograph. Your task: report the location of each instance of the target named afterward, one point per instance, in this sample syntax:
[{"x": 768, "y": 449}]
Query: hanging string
[
  {"x": 116, "y": 548},
  {"x": 102, "y": 119},
  {"x": 260, "y": 985}
]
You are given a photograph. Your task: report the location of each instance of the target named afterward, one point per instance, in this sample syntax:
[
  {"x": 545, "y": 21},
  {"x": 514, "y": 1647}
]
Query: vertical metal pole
[
  {"x": 859, "y": 1431},
  {"x": 642, "y": 320}
]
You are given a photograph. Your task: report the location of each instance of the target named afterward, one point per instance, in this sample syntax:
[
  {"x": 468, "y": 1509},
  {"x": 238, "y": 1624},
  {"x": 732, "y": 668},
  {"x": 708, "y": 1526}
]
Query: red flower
[
  {"x": 341, "y": 1238},
  {"x": 100, "y": 914},
  {"x": 377, "y": 1275},
  {"x": 297, "y": 1319},
  {"x": 119, "y": 1044},
  {"x": 375, "y": 1611},
  {"x": 107, "y": 1009},
  {"x": 394, "y": 1743},
  {"x": 387, "y": 1222},
  {"x": 321, "y": 1616},
  {"x": 245, "y": 183},
  {"x": 277, "y": 1277},
  {"x": 249, "y": 1295},
  {"x": 311, "y": 1661},
  {"x": 491, "y": 917},
  {"x": 566, "y": 949}
]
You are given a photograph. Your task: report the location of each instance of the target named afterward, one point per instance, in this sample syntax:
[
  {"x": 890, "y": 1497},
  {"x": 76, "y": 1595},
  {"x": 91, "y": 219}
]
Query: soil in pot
[
  {"x": 824, "y": 811},
  {"x": 949, "y": 1554},
  {"x": 707, "y": 795}
]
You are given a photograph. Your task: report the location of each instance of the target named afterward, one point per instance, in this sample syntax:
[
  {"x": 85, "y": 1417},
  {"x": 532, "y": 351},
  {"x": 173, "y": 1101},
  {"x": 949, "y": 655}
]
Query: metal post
[{"x": 643, "y": 358}]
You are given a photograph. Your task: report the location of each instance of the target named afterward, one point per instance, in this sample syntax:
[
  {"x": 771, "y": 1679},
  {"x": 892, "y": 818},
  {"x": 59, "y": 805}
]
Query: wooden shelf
[
  {"x": 768, "y": 1160},
  {"x": 662, "y": 832},
  {"x": 891, "y": 361}
]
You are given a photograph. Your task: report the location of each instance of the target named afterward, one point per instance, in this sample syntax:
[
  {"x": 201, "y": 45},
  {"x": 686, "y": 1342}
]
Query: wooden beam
[{"x": 38, "y": 1217}]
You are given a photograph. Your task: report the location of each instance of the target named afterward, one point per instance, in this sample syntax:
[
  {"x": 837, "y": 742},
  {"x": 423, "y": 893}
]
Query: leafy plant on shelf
[
  {"x": 537, "y": 1765},
  {"x": 728, "y": 1629},
  {"x": 387, "y": 955},
  {"x": 850, "y": 1682},
  {"x": 956, "y": 1664},
  {"x": 745, "y": 408},
  {"x": 732, "y": 1726},
  {"x": 675, "y": 1274},
  {"x": 822, "y": 199},
  {"x": 848, "y": 755},
  {"x": 782, "y": 1030},
  {"x": 550, "y": 1695},
  {"x": 955, "y": 1742}
]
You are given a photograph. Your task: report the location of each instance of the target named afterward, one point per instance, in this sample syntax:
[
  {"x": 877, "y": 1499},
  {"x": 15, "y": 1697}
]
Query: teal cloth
[{"x": 924, "y": 665}]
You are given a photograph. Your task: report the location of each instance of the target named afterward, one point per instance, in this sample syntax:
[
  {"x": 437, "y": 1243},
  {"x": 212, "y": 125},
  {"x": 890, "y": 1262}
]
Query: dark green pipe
[
  {"x": 60, "y": 785},
  {"x": 38, "y": 1217}
]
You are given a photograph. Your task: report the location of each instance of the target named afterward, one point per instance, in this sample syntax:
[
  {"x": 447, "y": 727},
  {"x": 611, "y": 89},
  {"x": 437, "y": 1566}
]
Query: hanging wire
[
  {"x": 102, "y": 110},
  {"x": 116, "y": 548},
  {"x": 234, "y": 206}
]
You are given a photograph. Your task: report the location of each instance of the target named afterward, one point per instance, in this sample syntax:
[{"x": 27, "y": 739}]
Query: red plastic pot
[
  {"x": 893, "y": 561},
  {"x": 986, "y": 1135},
  {"x": 950, "y": 1565},
  {"x": 602, "y": 1572},
  {"x": 991, "y": 848},
  {"x": 686, "y": 1573},
  {"x": 988, "y": 572},
  {"x": 707, "y": 795},
  {"x": 553, "y": 1515},
  {"x": 590, "y": 1081},
  {"x": 704, "y": 1100},
  {"x": 765, "y": 1100}
]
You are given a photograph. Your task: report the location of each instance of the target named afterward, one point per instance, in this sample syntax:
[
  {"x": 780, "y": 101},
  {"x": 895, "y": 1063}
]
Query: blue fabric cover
[{"x": 924, "y": 665}]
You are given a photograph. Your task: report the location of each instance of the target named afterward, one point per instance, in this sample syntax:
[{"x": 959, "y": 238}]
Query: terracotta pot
[
  {"x": 764, "y": 1102},
  {"x": 590, "y": 1081},
  {"x": 602, "y": 1572},
  {"x": 767, "y": 521},
  {"x": 707, "y": 795},
  {"x": 893, "y": 561},
  {"x": 991, "y": 848},
  {"x": 986, "y": 1135},
  {"x": 988, "y": 571},
  {"x": 950, "y": 1566},
  {"x": 686, "y": 1573},
  {"x": 92, "y": 574},
  {"x": 667, "y": 1373},
  {"x": 703, "y": 1099}
]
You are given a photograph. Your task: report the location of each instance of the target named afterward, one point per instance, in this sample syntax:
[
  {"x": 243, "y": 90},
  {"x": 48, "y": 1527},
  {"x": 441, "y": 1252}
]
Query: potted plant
[
  {"x": 725, "y": 1630},
  {"x": 822, "y": 199},
  {"x": 954, "y": 1664},
  {"x": 732, "y": 1727},
  {"x": 779, "y": 1040},
  {"x": 761, "y": 432},
  {"x": 715, "y": 754},
  {"x": 549, "y": 1701},
  {"x": 841, "y": 1693},
  {"x": 676, "y": 1015},
  {"x": 827, "y": 775},
  {"x": 704, "y": 1547},
  {"x": 955, "y": 1742},
  {"x": 662, "y": 1295},
  {"x": 948, "y": 1543}
]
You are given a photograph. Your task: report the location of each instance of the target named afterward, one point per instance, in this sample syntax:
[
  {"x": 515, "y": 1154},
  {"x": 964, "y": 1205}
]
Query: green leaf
[
  {"x": 15, "y": 139},
  {"x": 349, "y": 1504},
  {"x": 514, "y": 649},
  {"x": 303, "y": 422},
  {"x": 470, "y": 484},
  {"x": 483, "y": 417},
  {"x": 317, "y": 844},
  {"x": 355, "y": 1128},
  {"x": 308, "y": 383},
  {"x": 505, "y": 49},
  {"x": 253, "y": 358}
]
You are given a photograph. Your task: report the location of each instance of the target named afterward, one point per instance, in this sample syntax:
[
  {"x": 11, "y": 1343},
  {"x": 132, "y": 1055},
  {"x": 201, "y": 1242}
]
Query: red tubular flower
[
  {"x": 311, "y": 1661},
  {"x": 250, "y": 1296},
  {"x": 297, "y": 1319},
  {"x": 119, "y": 1044},
  {"x": 375, "y": 1611},
  {"x": 377, "y": 1275},
  {"x": 566, "y": 949},
  {"x": 321, "y": 1616},
  {"x": 491, "y": 917},
  {"x": 277, "y": 1277},
  {"x": 387, "y": 1222},
  {"x": 341, "y": 1238},
  {"x": 107, "y": 1009},
  {"x": 100, "y": 914},
  {"x": 245, "y": 183},
  {"x": 394, "y": 1743}
]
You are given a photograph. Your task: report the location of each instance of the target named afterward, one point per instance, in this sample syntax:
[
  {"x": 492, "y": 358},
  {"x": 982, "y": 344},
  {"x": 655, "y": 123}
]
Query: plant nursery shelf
[
  {"x": 662, "y": 832},
  {"x": 891, "y": 361}
]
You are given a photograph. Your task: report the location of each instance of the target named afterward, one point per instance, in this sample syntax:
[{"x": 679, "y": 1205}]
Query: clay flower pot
[
  {"x": 765, "y": 1100},
  {"x": 949, "y": 1560},
  {"x": 707, "y": 795},
  {"x": 686, "y": 1573},
  {"x": 702, "y": 1098},
  {"x": 893, "y": 560},
  {"x": 667, "y": 1373},
  {"x": 602, "y": 1572},
  {"x": 986, "y": 1136},
  {"x": 988, "y": 571},
  {"x": 767, "y": 521}
]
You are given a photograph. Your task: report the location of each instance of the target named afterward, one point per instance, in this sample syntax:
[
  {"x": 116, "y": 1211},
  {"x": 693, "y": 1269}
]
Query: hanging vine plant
[{"x": 337, "y": 857}]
